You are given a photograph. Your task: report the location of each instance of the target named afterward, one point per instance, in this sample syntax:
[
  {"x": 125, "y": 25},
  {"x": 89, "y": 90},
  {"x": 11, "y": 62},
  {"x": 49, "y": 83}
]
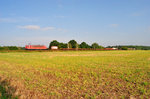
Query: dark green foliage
[
  {"x": 13, "y": 48},
  {"x": 62, "y": 45},
  {"x": 124, "y": 48},
  {"x": 84, "y": 45},
  {"x": 2, "y": 48},
  {"x": 54, "y": 43},
  {"x": 10, "y": 48},
  {"x": 73, "y": 43},
  {"x": 131, "y": 47},
  {"x": 96, "y": 46}
]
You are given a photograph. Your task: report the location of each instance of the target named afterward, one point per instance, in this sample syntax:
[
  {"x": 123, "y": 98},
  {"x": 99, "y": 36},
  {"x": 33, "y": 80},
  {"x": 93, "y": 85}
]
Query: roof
[{"x": 35, "y": 47}]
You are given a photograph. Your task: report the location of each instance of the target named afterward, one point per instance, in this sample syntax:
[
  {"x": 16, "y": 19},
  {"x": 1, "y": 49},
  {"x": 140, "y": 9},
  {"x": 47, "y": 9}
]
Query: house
[
  {"x": 131, "y": 48},
  {"x": 54, "y": 47},
  {"x": 110, "y": 49},
  {"x": 35, "y": 47}
]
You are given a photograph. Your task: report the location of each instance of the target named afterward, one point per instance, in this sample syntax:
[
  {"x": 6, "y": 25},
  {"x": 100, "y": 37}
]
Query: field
[{"x": 75, "y": 74}]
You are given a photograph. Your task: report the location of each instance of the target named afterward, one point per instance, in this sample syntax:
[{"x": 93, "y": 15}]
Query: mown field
[{"x": 75, "y": 74}]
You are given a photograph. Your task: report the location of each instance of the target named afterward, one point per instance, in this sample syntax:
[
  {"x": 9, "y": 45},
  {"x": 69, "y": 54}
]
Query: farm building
[
  {"x": 35, "y": 47},
  {"x": 110, "y": 49},
  {"x": 54, "y": 47}
]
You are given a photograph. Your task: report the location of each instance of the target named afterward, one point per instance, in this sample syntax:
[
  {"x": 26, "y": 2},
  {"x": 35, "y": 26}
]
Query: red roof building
[{"x": 35, "y": 47}]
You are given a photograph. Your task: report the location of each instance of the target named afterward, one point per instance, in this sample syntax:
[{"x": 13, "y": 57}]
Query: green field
[{"x": 75, "y": 74}]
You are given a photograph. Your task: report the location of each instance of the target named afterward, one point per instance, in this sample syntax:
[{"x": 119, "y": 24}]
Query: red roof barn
[{"x": 35, "y": 47}]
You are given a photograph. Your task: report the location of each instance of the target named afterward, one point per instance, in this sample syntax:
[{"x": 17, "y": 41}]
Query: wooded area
[{"x": 72, "y": 44}]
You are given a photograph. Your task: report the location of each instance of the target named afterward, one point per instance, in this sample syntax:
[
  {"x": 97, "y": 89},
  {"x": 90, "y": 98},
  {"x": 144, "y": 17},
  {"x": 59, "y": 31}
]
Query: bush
[{"x": 124, "y": 48}]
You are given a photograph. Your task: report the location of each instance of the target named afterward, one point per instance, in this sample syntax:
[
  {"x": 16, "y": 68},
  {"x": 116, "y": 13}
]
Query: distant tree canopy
[
  {"x": 73, "y": 44},
  {"x": 84, "y": 45},
  {"x": 124, "y": 48},
  {"x": 96, "y": 46},
  {"x": 54, "y": 43},
  {"x": 3, "y": 48},
  {"x": 121, "y": 47},
  {"x": 10, "y": 48},
  {"x": 62, "y": 45}
]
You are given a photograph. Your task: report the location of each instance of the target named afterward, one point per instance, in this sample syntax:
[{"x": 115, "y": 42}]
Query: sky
[{"x": 107, "y": 22}]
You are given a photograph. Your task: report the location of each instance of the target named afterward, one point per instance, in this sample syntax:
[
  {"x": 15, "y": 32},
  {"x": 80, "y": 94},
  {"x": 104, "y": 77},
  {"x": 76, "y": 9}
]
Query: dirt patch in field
[
  {"x": 149, "y": 58},
  {"x": 11, "y": 89},
  {"x": 6, "y": 90}
]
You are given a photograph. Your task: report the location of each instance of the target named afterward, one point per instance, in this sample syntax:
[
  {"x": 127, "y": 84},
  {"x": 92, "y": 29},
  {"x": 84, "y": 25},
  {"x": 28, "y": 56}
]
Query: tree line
[
  {"x": 74, "y": 44},
  {"x": 84, "y": 45},
  {"x": 126, "y": 47},
  {"x": 11, "y": 48}
]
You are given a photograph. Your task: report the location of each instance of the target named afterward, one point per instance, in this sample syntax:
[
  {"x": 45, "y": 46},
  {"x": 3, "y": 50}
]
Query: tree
[
  {"x": 2, "y": 48},
  {"x": 95, "y": 45},
  {"x": 124, "y": 48},
  {"x": 84, "y": 45},
  {"x": 69, "y": 45},
  {"x": 13, "y": 48},
  {"x": 62, "y": 45},
  {"x": 54, "y": 43},
  {"x": 101, "y": 47},
  {"x": 72, "y": 43},
  {"x": 9, "y": 48}
]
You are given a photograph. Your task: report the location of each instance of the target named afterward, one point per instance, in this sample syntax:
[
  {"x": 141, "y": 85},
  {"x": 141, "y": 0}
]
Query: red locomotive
[{"x": 36, "y": 47}]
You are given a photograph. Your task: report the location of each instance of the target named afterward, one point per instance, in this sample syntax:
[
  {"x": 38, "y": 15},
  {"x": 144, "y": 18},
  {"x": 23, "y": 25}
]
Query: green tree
[
  {"x": 1, "y": 48},
  {"x": 54, "y": 43},
  {"x": 72, "y": 43},
  {"x": 9, "y": 48},
  {"x": 69, "y": 45},
  {"x": 13, "y": 48},
  {"x": 84, "y": 45},
  {"x": 62, "y": 45},
  {"x": 124, "y": 48},
  {"x": 101, "y": 47},
  {"x": 95, "y": 45}
]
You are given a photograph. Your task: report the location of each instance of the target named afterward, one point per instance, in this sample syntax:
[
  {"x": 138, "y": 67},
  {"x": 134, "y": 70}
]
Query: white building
[{"x": 54, "y": 47}]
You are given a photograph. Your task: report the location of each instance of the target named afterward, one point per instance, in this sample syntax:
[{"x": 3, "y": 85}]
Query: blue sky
[{"x": 107, "y": 22}]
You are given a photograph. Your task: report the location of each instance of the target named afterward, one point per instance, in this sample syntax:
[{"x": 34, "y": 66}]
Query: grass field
[{"x": 75, "y": 74}]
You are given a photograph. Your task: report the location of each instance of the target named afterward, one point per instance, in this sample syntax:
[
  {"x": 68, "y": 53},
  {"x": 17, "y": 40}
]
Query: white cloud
[
  {"x": 114, "y": 25},
  {"x": 30, "y": 27},
  {"x": 48, "y": 28},
  {"x": 36, "y": 27}
]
